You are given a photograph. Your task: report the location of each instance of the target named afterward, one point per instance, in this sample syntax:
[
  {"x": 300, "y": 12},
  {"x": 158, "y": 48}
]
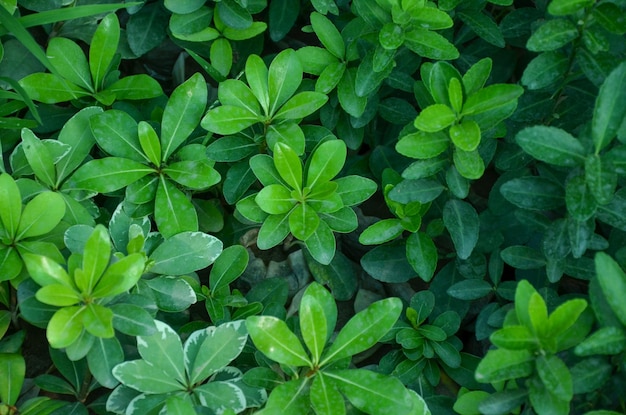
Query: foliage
[{"x": 312, "y": 206}]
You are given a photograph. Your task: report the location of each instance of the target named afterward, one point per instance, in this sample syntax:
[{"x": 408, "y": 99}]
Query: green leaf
[
  {"x": 556, "y": 377},
  {"x": 274, "y": 339},
  {"x": 231, "y": 148},
  {"x": 117, "y": 134},
  {"x": 212, "y": 349},
  {"x": 229, "y": 265},
  {"x": 364, "y": 329},
  {"x": 330, "y": 77},
  {"x": 146, "y": 28},
  {"x": 96, "y": 256},
  {"x": 600, "y": 178},
  {"x": 523, "y": 257},
  {"x": 328, "y": 35},
  {"x": 372, "y": 392},
  {"x": 234, "y": 92},
  {"x": 229, "y": 119},
  {"x": 534, "y": 193},
  {"x": 288, "y": 166},
  {"x": 354, "y": 189},
  {"x": 233, "y": 14},
  {"x": 173, "y": 212},
  {"x": 13, "y": 371},
  {"x": 514, "y": 338},
  {"x": 103, "y": 48},
  {"x": 182, "y": 113},
  {"x": 98, "y": 320},
  {"x": 65, "y": 326},
  {"x": 475, "y": 77},
  {"x": 607, "y": 340},
  {"x": 382, "y": 231},
  {"x": 303, "y": 221},
  {"x": 551, "y": 145},
  {"x": 348, "y": 99},
  {"x": 50, "y": 88},
  {"x": 430, "y": 44},
  {"x": 275, "y": 199},
  {"x": 39, "y": 158},
  {"x": 58, "y": 295},
  {"x": 107, "y": 174},
  {"x": 421, "y": 253},
  {"x": 41, "y": 215},
  {"x": 371, "y": 73},
  {"x": 135, "y": 87},
  {"x": 544, "y": 70},
  {"x": 469, "y": 290},
  {"x": 163, "y": 350},
  {"x": 185, "y": 253},
  {"x": 145, "y": 377},
  {"x": 610, "y": 108},
  {"x": 288, "y": 133},
  {"x": 423, "y": 145},
  {"x": 301, "y": 105},
  {"x": 68, "y": 59},
  {"x": 420, "y": 190},
  {"x": 221, "y": 55},
  {"x": 326, "y": 162},
  {"x": 132, "y": 320},
  {"x": 491, "y": 97},
  {"x": 257, "y": 77},
  {"x": 289, "y": 397},
  {"x": 612, "y": 280},
  {"x": 219, "y": 395},
  {"x": 325, "y": 398},
  {"x": 10, "y": 205},
  {"x": 171, "y": 293},
  {"x": 435, "y": 118},
  {"x": 462, "y": 223},
  {"x": 149, "y": 141},
  {"x": 565, "y": 316},
  {"x": 284, "y": 78},
  {"x": 274, "y": 230},
  {"x": 567, "y": 7},
  {"x": 318, "y": 316},
  {"x": 609, "y": 15},
  {"x": 193, "y": 174},
  {"x": 503, "y": 364},
  {"x": 484, "y": 26},
  {"x": 45, "y": 271},
  {"x": 282, "y": 17},
  {"x": 466, "y": 135},
  {"x": 388, "y": 263},
  {"x": 552, "y": 35}
]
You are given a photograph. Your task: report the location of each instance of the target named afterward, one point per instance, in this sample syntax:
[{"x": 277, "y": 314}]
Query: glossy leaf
[
  {"x": 256, "y": 75},
  {"x": 149, "y": 142},
  {"x": 364, "y": 329},
  {"x": 69, "y": 60},
  {"x": 430, "y": 44},
  {"x": 544, "y": 70},
  {"x": 229, "y": 119},
  {"x": 612, "y": 280},
  {"x": 552, "y": 35},
  {"x": 555, "y": 376},
  {"x": 13, "y": 371},
  {"x": 274, "y": 339},
  {"x": 284, "y": 78},
  {"x": 103, "y": 47},
  {"x": 503, "y": 364},
  {"x": 145, "y": 377},
  {"x": 318, "y": 316},
  {"x": 10, "y": 204},
  {"x": 610, "y": 109},
  {"x": 173, "y": 212},
  {"x": 274, "y": 230},
  {"x": 107, "y": 174},
  {"x": 552, "y": 145},
  {"x": 462, "y": 222},
  {"x": 39, "y": 157},
  {"x": 422, "y": 145},
  {"x": 491, "y": 97},
  {"x": 534, "y": 193},
  {"x": 41, "y": 215},
  {"x": 328, "y": 35},
  {"x": 65, "y": 326},
  {"x": 325, "y": 398},
  {"x": 116, "y": 133}
]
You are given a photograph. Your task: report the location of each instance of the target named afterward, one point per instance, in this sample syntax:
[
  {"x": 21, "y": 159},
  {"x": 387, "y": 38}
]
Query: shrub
[{"x": 312, "y": 206}]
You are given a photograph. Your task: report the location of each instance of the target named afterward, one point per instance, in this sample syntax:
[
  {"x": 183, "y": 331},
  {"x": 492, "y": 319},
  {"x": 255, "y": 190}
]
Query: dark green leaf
[
  {"x": 610, "y": 108},
  {"x": 146, "y": 29},
  {"x": 184, "y": 253},
  {"x": 388, "y": 263},
  {"x": 503, "y": 364},
  {"x": 484, "y": 26},
  {"x": 103, "y": 47},
  {"x": 430, "y": 44},
  {"x": 420, "y": 190},
  {"x": 544, "y": 70},
  {"x": 552, "y": 145},
  {"x": 282, "y": 17},
  {"x": 552, "y": 35},
  {"x": 534, "y": 193},
  {"x": 523, "y": 257},
  {"x": 173, "y": 212},
  {"x": 462, "y": 223},
  {"x": 613, "y": 283},
  {"x": 421, "y": 253},
  {"x": 12, "y": 370}
]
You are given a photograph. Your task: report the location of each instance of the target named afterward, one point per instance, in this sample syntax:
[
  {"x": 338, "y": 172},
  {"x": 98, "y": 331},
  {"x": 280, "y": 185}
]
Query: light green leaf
[
  {"x": 149, "y": 141},
  {"x": 284, "y": 78},
  {"x": 235, "y": 93},
  {"x": 257, "y": 77},
  {"x": 58, "y": 295},
  {"x": 193, "y": 174},
  {"x": 275, "y": 199},
  {"x": 371, "y": 392},
  {"x": 318, "y": 316},
  {"x": 231, "y": 263},
  {"x": 65, "y": 326},
  {"x": 98, "y": 320},
  {"x": 364, "y": 329},
  {"x": 325, "y": 398},
  {"x": 50, "y": 89},
  {"x": 10, "y": 205},
  {"x": 551, "y": 145},
  {"x": 45, "y": 271},
  {"x": 107, "y": 174},
  {"x": 321, "y": 244},
  {"x": 70, "y": 61},
  {"x": 41, "y": 215},
  {"x": 435, "y": 118},
  {"x": 303, "y": 221},
  {"x": 348, "y": 99},
  {"x": 13, "y": 371},
  {"x": 96, "y": 258},
  {"x": 567, "y": 7},
  {"x": 173, "y": 212},
  {"x": 182, "y": 113},
  {"x": 430, "y": 44},
  {"x": 515, "y": 338},
  {"x": 39, "y": 157},
  {"x": 274, "y": 230},
  {"x": 229, "y": 119},
  {"x": 565, "y": 316},
  {"x": 274, "y": 339},
  {"x": 326, "y": 162},
  {"x": 120, "y": 277},
  {"x": 610, "y": 108},
  {"x": 355, "y": 189},
  {"x": 135, "y": 87},
  {"x": 289, "y": 397},
  {"x": 329, "y": 77},
  {"x": 503, "y": 364},
  {"x": 301, "y": 105},
  {"x": 382, "y": 231},
  {"x": 609, "y": 340},
  {"x": 288, "y": 133},
  {"x": 423, "y": 145},
  {"x": 171, "y": 293},
  {"x": 103, "y": 48},
  {"x": 466, "y": 135},
  {"x": 288, "y": 165},
  {"x": 491, "y": 97}
]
